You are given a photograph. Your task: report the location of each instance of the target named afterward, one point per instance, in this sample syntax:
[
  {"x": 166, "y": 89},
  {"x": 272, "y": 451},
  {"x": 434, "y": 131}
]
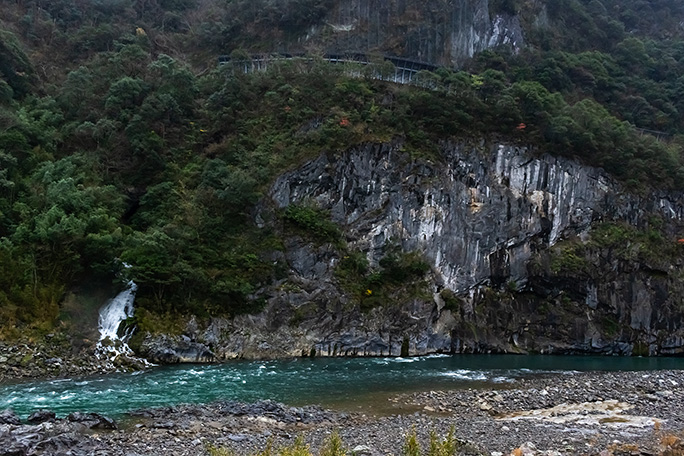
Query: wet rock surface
[
  {"x": 478, "y": 417},
  {"x": 60, "y": 437},
  {"x": 52, "y": 359},
  {"x": 41, "y": 416},
  {"x": 9, "y": 417},
  {"x": 167, "y": 349},
  {"x": 92, "y": 420},
  {"x": 517, "y": 263}
]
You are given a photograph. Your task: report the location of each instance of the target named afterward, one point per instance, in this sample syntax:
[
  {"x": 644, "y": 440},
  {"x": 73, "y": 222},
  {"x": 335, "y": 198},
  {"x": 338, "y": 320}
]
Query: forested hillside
[{"x": 122, "y": 141}]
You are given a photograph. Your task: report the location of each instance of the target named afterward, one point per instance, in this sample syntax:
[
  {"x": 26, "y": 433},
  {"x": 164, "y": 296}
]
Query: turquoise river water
[{"x": 346, "y": 383}]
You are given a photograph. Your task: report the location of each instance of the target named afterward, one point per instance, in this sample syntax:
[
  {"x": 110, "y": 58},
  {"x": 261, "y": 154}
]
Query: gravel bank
[{"x": 606, "y": 413}]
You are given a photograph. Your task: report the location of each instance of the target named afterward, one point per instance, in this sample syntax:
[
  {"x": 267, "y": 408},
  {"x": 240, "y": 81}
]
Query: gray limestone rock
[
  {"x": 8, "y": 416},
  {"x": 491, "y": 220},
  {"x": 175, "y": 349},
  {"x": 41, "y": 416},
  {"x": 449, "y": 34}
]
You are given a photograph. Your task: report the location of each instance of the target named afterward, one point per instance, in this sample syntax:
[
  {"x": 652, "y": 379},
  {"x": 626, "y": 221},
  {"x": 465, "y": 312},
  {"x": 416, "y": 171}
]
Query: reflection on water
[{"x": 339, "y": 382}]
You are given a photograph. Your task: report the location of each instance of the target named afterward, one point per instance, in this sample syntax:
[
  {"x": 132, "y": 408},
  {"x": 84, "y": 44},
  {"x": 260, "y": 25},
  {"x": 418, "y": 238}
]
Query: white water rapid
[{"x": 112, "y": 314}]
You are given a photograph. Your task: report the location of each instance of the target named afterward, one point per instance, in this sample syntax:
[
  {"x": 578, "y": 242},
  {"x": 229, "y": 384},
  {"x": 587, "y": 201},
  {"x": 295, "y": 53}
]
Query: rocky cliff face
[
  {"x": 444, "y": 32},
  {"x": 517, "y": 263}
]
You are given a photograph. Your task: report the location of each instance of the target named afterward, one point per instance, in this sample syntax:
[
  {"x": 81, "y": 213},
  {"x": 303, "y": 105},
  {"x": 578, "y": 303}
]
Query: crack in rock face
[{"x": 609, "y": 414}]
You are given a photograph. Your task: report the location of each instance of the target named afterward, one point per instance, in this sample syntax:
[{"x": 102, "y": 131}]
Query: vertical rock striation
[
  {"x": 444, "y": 32},
  {"x": 479, "y": 214},
  {"x": 507, "y": 236}
]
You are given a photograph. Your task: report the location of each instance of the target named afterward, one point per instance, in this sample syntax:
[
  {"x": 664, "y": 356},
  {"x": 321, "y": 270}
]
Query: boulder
[
  {"x": 92, "y": 420},
  {"x": 41, "y": 416},
  {"x": 8, "y": 416},
  {"x": 173, "y": 350}
]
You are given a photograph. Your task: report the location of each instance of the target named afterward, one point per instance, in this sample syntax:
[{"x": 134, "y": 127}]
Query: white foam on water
[
  {"x": 464, "y": 374},
  {"x": 402, "y": 360},
  {"x": 112, "y": 314},
  {"x": 116, "y": 311}
]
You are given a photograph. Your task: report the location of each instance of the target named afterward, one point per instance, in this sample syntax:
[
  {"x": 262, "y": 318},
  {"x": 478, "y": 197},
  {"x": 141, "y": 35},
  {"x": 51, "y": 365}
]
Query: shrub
[
  {"x": 333, "y": 446},
  {"x": 313, "y": 221},
  {"x": 298, "y": 448},
  {"x": 411, "y": 445}
]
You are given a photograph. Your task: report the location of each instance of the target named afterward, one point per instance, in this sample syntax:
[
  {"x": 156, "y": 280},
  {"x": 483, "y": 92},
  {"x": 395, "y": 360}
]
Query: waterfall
[
  {"x": 112, "y": 314},
  {"x": 115, "y": 311}
]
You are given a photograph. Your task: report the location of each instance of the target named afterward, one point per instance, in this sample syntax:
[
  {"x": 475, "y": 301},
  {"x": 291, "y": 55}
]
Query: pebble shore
[{"x": 622, "y": 413}]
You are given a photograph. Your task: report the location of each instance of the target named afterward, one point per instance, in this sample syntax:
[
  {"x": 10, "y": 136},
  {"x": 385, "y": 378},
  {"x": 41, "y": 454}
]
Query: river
[{"x": 343, "y": 383}]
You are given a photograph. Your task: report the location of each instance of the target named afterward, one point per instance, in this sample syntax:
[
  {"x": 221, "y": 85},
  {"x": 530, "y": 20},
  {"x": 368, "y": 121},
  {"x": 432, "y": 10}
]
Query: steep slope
[
  {"x": 441, "y": 32},
  {"x": 123, "y": 140},
  {"x": 522, "y": 254}
]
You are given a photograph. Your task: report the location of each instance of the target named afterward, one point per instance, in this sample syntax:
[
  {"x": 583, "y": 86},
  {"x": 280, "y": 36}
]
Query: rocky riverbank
[
  {"x": 47, "y": 360},
  {"x": 581, "y": 413},
  {"x": 56, "y": 358}
]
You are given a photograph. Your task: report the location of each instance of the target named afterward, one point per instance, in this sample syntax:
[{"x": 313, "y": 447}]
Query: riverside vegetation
[
  {"x": 122, "y": 141},
  {"x": 334, "y": 446}
]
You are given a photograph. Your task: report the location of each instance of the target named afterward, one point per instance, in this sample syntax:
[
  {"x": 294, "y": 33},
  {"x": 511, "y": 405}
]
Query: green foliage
[
  {"x": 451, "y": 301},
  {"x": 616, "y": 241},
  {"x": 219, "y": 451},
  {"x": 333, "y": 446},
  {"x": 298, "y": 448},
  {"x": 645, "y": 244},
  {"x": 313, "y": 222},
  {"x": 15, "y": 68},
  {"x": 268, "y": 449},
  {"x": 449, "y": 446},
  {"x": 611, "y": 328},
  {"x": 354, "y": 263},
  {"x": 259, "y": 22},
  {"x": 399, "y": 276},
  {"x": 568, "y": 259},
  {"x": 303, "y": 312},
  {"x": 115, "y": 144},
  {"x": 411, "y": 446},
  {"x": 399, "y": 267}
]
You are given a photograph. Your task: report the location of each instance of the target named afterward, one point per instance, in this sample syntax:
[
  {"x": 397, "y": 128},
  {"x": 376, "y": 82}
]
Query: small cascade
[
  {"x": 112, "y": 314},
  {"x": 115, "y": 311}
]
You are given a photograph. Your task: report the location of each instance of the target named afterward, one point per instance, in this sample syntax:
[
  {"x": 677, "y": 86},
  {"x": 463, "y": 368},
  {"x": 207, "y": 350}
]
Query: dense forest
[{"x": 122, "y": 141}]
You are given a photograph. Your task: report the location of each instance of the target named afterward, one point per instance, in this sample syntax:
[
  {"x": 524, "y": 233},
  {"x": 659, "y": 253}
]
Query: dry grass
[{"x": 671, "y": 444}]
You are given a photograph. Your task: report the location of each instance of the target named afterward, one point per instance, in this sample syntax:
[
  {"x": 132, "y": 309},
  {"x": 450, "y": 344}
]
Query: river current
[{"x": 346, "y": 383}]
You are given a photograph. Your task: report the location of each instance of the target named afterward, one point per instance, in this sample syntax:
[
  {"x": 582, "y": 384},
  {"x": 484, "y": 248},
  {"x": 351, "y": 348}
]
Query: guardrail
[
  {"x": 658, "y": 134},
  {"x": 404, "y": 70}
]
